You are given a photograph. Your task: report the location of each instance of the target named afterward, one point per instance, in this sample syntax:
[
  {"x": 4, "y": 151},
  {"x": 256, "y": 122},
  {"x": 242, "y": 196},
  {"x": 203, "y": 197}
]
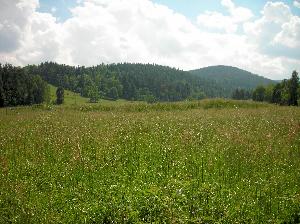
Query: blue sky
[
  {"x": 192, "y": 8},
  {"x": 189, "y": 8},
  {"x": 61, "y": 7}
]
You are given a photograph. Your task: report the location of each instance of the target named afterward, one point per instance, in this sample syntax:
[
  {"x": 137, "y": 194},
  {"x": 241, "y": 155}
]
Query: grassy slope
[
  {"x": 219, "y": 162},
  {"x": 71, "y": 98}
]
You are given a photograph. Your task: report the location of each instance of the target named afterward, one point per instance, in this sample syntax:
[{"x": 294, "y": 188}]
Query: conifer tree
[
  {"x": 293, "y": 89},
  {"x": 60, "y": 95}
]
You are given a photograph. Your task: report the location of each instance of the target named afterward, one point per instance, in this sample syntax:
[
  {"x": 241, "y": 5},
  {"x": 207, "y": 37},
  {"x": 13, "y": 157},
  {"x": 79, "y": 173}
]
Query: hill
[
  {"x": 231, "y": 78},
  {"x": 147, "y": 82},
  {"x": 128, "y": 81}
]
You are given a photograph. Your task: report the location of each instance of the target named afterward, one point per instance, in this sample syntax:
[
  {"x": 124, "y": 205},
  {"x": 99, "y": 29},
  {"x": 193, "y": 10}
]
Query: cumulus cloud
[
  {"x": 113, "y": 31},
  {"x": 41, "y": 39},
  {"x": 297, "y": 4},
  {"x": 216, "y": 21},
  {"x": 14, "y": 16},
  {"x": 27, "y": 36},
  {"x": 238, "y": 14},
  {"x": 277, "y": 32},
  {"x": 289, "y": 36},
  {"x": 135, "y": 30}
]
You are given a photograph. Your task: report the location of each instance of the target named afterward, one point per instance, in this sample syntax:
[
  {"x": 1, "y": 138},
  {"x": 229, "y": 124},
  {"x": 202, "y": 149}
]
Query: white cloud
[
  {"x": 297, "y": 4},
  {"x": 112, "y": 31},
  {"x": 289, "y": 36},
  {"x": 219, "y": 22},
  {"x": 238, "y": 14},
  {"x": 41, "y": 39},
  {"x": 277, "y": 12},
  {"x": 277, "y": 32},
  {"x": 14, "y": 16},
  {"x": 228, "y": 4}
]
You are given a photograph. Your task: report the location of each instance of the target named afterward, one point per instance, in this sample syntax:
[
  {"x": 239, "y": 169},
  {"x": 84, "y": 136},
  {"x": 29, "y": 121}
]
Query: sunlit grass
[
  {"x": 202, "y": 162},
  {"x": 75, "y": 99}
]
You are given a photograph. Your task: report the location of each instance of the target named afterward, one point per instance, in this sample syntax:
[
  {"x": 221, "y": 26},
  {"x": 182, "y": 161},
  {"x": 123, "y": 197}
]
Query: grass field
[{"x": 211, "y": 161}]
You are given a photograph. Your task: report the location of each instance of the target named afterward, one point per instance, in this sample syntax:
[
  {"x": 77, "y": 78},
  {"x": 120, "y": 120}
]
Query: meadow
[{"x": 210, "y": 161}]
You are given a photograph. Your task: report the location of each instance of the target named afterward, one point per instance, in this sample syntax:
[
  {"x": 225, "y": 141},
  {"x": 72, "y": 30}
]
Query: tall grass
[
  {"x": 175, "y": 106},
  {"x": 189, "y": 162}
]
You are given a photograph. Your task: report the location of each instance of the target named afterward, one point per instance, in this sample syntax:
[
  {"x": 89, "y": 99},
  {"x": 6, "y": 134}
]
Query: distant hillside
[
  {"x": 141, "y": 82},
  {"x": 146, "y": 82},
  {"x": 231, "y": 78}
]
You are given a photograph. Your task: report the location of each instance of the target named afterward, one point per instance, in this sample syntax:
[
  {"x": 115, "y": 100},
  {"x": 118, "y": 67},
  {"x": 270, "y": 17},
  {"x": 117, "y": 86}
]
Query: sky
[{"x": 260, "y": 36}]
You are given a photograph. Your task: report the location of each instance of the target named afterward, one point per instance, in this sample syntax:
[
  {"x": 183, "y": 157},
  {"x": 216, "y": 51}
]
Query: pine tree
[
  {"x": 277, "y": 92},
  {"x": 293, "y": 89},
  {"x": 60, "y": 95}
]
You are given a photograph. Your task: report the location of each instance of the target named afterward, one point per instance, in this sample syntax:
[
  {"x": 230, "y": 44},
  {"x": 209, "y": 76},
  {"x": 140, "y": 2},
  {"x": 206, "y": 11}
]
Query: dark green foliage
[
  {"x": 113, "y": 93},
  {"x": 276, "y": 96},
  {"x": 238, "y": 94},
  {"x": 269, "y": 89},
  {"x": 259, "y": 94},
  {"x": 162, "y": 83},
  {"x": 281, "y": 93},
  {"x": 231, "y": 78},
  {"x": 241, "y": 94},
  {"x": 197, "y": 95},
  {"x": 2, "y": 95},
  {"x": 145, "y": 95},
  {"x": 284, "y": 93},
  {"x": 19, "y": 87},
  {"x": 293, "y": 90},
  {"x": 60, "y": 95},
  {"x": 94, "y": 95}
]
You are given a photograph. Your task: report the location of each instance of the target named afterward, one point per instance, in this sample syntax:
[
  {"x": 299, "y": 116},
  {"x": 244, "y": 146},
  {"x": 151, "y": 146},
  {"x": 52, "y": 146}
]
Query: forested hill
[
  {"x": 147, "y": 82},
  {"x": 128, "y": 81},
  {"x": 231, "y": 78}
]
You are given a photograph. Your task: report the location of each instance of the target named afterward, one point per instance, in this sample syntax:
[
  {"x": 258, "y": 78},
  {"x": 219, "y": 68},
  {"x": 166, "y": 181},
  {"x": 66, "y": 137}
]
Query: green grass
[
  {"x": 126, "y": 106},
  {"x": 212, "y": 161},
  {"x": 69, "y": 97},
  {"x": 75, "y": 99}
]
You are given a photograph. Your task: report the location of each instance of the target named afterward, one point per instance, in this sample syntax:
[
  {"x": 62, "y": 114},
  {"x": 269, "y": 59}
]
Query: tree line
[
  {"x": 242, "y": 94},
  {"x": 144, "y": 82},
  {"x": 286, "y": 92},
  {"x": 18, "y": 87},
  {"x": 139, "y": 82}
]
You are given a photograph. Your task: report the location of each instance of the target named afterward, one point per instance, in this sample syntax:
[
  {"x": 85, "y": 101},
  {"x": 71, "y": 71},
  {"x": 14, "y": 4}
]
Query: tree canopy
[
  {"x": 20, "y": 87},
  {"x": 127, "y": 81},
  {"x": 283, "y": 93}
]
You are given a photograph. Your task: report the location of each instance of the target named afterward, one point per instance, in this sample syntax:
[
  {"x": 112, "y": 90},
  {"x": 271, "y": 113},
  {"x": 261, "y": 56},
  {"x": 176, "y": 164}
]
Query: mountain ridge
[
  {"x": 218, "y": 72},
  {"x": 231, "y": 78}
]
